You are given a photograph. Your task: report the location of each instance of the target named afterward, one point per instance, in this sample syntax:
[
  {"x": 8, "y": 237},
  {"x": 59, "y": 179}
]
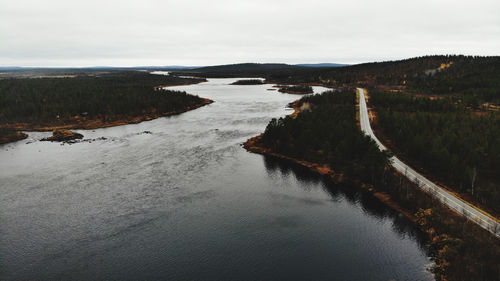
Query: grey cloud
[{"x": 196, "y": 32}]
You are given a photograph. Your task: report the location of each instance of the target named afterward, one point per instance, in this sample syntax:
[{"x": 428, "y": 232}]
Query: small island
[
  {"x": 63, "y": 135},
  {"x": 296, "y": 89},
  {"x": 248, "y": 82},
  {"x": 323, "y": 135}
]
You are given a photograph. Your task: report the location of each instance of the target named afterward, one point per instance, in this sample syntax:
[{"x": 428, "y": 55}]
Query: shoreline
[
  {"x": 253, "y": 145},
  {"x": 182, "y": 84},
  {"x": 16, "y": 136},
  {"x": 84, "y": 124}
]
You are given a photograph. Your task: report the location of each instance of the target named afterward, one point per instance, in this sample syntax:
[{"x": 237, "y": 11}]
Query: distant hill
[
  {"x": 322, "y": 64},
  {"x": 245, "y": 67},
  {"x": 243, "y": 70}
]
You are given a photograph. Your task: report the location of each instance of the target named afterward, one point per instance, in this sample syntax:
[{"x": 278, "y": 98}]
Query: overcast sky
[{"x": 203, "y": 32}]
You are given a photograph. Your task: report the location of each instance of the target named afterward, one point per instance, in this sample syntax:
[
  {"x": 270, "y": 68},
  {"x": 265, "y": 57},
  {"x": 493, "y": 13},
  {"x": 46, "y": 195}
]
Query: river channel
[{"x": 179, "y": 198}]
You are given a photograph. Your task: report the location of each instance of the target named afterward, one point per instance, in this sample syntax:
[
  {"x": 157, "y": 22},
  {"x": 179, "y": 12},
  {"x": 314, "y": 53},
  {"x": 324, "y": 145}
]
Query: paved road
[{"x": 479, "y": 217}]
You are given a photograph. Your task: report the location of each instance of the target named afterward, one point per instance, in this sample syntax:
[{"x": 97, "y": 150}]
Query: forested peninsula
[
  {"x": 323, "y": 135},
  {"x": 89, "y": 101}
]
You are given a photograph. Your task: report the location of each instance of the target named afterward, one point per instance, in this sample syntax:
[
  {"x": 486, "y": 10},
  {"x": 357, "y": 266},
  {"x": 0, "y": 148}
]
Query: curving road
[{"x": 481, "y": 218}]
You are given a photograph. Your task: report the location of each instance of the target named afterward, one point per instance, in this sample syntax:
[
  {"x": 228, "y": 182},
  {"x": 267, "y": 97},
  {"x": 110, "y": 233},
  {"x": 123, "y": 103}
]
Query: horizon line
[{"x": 208, "y": 65}]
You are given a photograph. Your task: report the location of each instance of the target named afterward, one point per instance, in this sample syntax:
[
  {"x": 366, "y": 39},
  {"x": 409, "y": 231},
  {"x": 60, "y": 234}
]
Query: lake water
[{"x": 187, "y": 202}]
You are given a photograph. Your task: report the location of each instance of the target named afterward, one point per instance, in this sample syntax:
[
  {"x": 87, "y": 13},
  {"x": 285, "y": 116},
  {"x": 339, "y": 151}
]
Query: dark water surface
[{"x": 187, "y": 202}]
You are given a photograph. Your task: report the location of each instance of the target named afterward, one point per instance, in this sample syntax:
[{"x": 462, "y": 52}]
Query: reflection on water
[
  {"x": 370, "y": 205},
  {"x": 187, "y": 202}
]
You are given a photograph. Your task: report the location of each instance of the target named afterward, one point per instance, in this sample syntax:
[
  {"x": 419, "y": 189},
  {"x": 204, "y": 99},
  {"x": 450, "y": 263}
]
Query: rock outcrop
[{"x": 63, "y": 135}]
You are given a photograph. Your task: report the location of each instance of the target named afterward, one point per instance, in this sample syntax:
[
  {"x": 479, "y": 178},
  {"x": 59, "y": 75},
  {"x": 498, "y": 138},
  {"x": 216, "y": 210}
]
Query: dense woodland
[
  {"x": 243, "y": 70},
  {"x": 328, "y": 134},
  {"x": 460, "y": 148},
  {"x": 296, "y": 89},
  {"x": 105, "y": 96},
  {"x": 248, "y": 82},
  {"x": 472, "y": 78},
  {"x": 475, "y": 80}
]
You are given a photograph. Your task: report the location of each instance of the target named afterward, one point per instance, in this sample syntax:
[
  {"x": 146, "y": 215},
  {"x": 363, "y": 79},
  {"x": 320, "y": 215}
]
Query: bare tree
[{"x": 472, "y": 175}]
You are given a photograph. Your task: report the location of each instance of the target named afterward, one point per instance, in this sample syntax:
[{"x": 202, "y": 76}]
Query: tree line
[
  {"x": 459, "y": 147},
  {"x": 295, "y": 89}
]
